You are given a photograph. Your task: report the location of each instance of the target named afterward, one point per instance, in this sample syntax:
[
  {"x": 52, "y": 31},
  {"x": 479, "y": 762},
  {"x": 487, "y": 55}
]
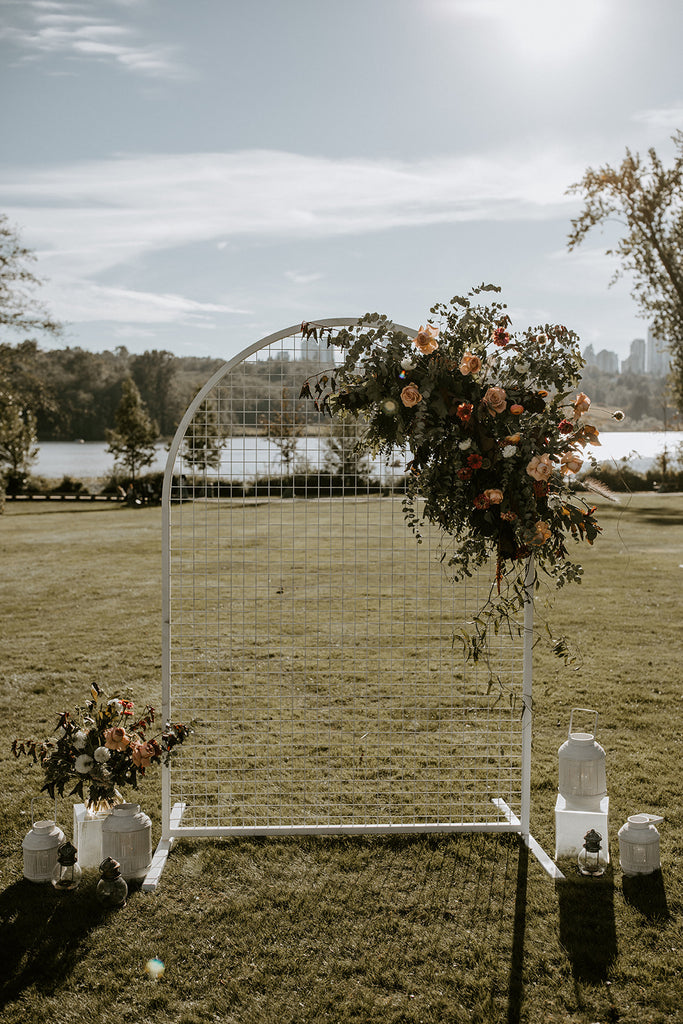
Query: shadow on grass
[
  {"x": 587, "y": 926},
  {"x": 369, "y": 929},
  {"x": 42, "y": 934},
  {"x": 646, "y": 894}
]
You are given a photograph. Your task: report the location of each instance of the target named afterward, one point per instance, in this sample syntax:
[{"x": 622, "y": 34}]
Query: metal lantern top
[
  {"x": 67, "y": 853},
  {"x": 592, "y": 841},
  {"x": 583, "y": 780}
]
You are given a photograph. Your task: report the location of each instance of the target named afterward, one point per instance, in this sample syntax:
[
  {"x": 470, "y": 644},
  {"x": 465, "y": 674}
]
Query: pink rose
[
  {"x": 116, "y": 739},
  {"x": 494, "y": 495},
  {"x": 142, "y": 753},
  {"x": 410, "y": 395},
  {"x": 469, "y": 364},
  {"x": 495, "y": 400},
  {"x": 425, "y": 339},
  {"x": 571, "y": 463},
  {"x": 540, "y": 467}
]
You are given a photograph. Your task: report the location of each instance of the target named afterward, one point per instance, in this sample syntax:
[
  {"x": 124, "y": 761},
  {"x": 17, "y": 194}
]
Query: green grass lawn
[{"x": 423, "y": 928}]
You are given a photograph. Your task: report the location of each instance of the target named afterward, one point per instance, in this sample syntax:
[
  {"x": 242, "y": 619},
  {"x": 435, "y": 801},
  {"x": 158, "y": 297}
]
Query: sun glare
[{"x": 541, "y": 29}]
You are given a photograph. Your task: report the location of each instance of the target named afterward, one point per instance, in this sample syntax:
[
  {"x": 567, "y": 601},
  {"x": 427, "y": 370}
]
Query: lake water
[{"x": 57, "y": 458}]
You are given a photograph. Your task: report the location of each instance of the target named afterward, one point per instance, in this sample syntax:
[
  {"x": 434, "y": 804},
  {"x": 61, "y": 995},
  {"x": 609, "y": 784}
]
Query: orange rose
[
  {"x": 495, "y": 400},
  {"x": 589, "y": 435},
  {"x": 116, "y": 739},
  {"x": 469, "y": 364},
  {"x": 540, "y": 467},
  {"x": 410, "y": 395},
  {"x": 581, "y": 405},
  {"x": 571, "y": 463},
  {"x": 494, "y": 495},
  {"x": 516, "y": 409},
  {"x": 513, "y": 439},
  {"x": 425, "y": 339},
  {"x": 540, "y": 535}
]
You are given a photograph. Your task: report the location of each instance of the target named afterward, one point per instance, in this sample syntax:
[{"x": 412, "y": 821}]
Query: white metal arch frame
[{"x": 309, "y": 637}]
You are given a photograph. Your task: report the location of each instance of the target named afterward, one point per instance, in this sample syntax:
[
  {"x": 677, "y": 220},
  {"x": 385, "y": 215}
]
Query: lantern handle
[
  {"x": 33, "y": 819},
  {"x": 589, "y": 711}
]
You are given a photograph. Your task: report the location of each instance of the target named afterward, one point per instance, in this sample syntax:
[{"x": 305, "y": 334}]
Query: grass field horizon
[{"x": 421, "y": 928}]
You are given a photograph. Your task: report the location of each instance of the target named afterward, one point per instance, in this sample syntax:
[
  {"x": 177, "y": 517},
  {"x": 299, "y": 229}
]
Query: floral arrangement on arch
[
  {"x": 102, "y": 745},
  {"x": 495, "y": 427}
]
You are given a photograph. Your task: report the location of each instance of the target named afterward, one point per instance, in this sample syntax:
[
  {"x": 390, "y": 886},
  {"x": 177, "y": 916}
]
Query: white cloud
[
  {"x": 91, "y": 222},
  {"x": 73, "y": 31},
  {"x": 666, "y": 118},
  {"x": 296, "y": 277},
  {"x": 82, "y": 301},
  {"x": 99, "y": 214}
]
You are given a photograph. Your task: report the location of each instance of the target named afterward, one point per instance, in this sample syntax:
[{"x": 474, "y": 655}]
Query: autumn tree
[
  {"x": 133, "y": 442},
  {"x": 21, "y": 392},
  {"x": 645, "y": 199}
]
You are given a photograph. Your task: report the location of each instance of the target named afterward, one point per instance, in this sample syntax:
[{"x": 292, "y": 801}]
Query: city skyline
[{"x": 195, "y": 177}]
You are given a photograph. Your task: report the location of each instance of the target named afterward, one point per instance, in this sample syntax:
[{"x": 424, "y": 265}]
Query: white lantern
[
  {"x": 639, "y": 845},
  {"x": 583, "y": 782},
  {"x": 127, "y": 838},
  {"x": 40, "y": 849}
]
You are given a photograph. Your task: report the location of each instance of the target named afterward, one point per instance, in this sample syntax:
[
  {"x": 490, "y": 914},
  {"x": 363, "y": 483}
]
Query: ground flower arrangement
[
  {"x": 494, "y": 422},
  {"x": 101, "y": 746}
]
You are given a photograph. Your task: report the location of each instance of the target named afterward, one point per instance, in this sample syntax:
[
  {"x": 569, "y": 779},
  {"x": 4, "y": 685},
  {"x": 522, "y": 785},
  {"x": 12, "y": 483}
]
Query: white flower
[
  {"x": 521, "y": 366},
  {"x": 84, "y": 763},
  {"x": 407, "y": 363},
  {"x": 79, "y": 740},
  {"x": 464, "y": 445},
  {"x": 102, "y": 755},
  {"x": 509, "y": 450},
  {"x": 118, "y": 706}
]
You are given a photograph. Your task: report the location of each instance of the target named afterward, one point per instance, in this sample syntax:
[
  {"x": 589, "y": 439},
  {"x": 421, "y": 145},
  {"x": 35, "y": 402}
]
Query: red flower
[
  {"x": 481, "y": 501},
  {"x": 565, "y": 426},
  {"x": 465, "y": 473},
  {"x": 500, "y": 337},
  {"x": 464, "y": 411},
  {"x": 475, "y": 461}
]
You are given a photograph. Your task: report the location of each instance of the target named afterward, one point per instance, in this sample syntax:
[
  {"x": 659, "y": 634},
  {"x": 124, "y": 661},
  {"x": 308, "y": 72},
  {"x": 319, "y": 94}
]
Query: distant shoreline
[{"x": 90, "y": 460}]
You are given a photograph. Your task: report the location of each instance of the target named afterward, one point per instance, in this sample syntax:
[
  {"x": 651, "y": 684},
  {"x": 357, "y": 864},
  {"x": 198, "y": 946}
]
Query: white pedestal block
[
  {"x": 88, "y": 836},
  {"x": 571, "y": 827}
]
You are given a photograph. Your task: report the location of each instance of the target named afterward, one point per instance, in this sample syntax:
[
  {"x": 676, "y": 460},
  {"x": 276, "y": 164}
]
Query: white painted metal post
[{"x": 529, "y": 580}]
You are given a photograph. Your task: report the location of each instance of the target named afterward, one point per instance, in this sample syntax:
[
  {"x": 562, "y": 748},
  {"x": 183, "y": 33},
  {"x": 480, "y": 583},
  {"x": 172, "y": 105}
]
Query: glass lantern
[
  {"x": 66, "y": 874},
  {"x": 589, "y": 857},
  {"x": 112, "y": 890}
]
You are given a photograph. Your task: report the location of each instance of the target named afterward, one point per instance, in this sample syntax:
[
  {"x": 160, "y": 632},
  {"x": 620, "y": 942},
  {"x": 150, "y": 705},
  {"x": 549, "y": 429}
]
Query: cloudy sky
[{"x": 195, "y": 174}]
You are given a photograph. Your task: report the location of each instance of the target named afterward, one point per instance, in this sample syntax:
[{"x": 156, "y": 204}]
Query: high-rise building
[
  {"x": 606, "y": 361},
  {"x": 589, "y": 355},
  {"x": 635, "y": 363},
  {"x": 658, "y": 355}
]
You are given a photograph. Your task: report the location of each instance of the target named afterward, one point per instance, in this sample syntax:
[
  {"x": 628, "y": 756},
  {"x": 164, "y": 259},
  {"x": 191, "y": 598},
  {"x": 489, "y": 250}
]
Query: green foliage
[
  {"x": 133, "y": 443},
  {"x": 646, "y": 199},
  {"x": 491, "y": 431}
]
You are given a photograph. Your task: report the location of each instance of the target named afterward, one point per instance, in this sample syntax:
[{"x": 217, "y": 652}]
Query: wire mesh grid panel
[{"x": 310, "y": 639}]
